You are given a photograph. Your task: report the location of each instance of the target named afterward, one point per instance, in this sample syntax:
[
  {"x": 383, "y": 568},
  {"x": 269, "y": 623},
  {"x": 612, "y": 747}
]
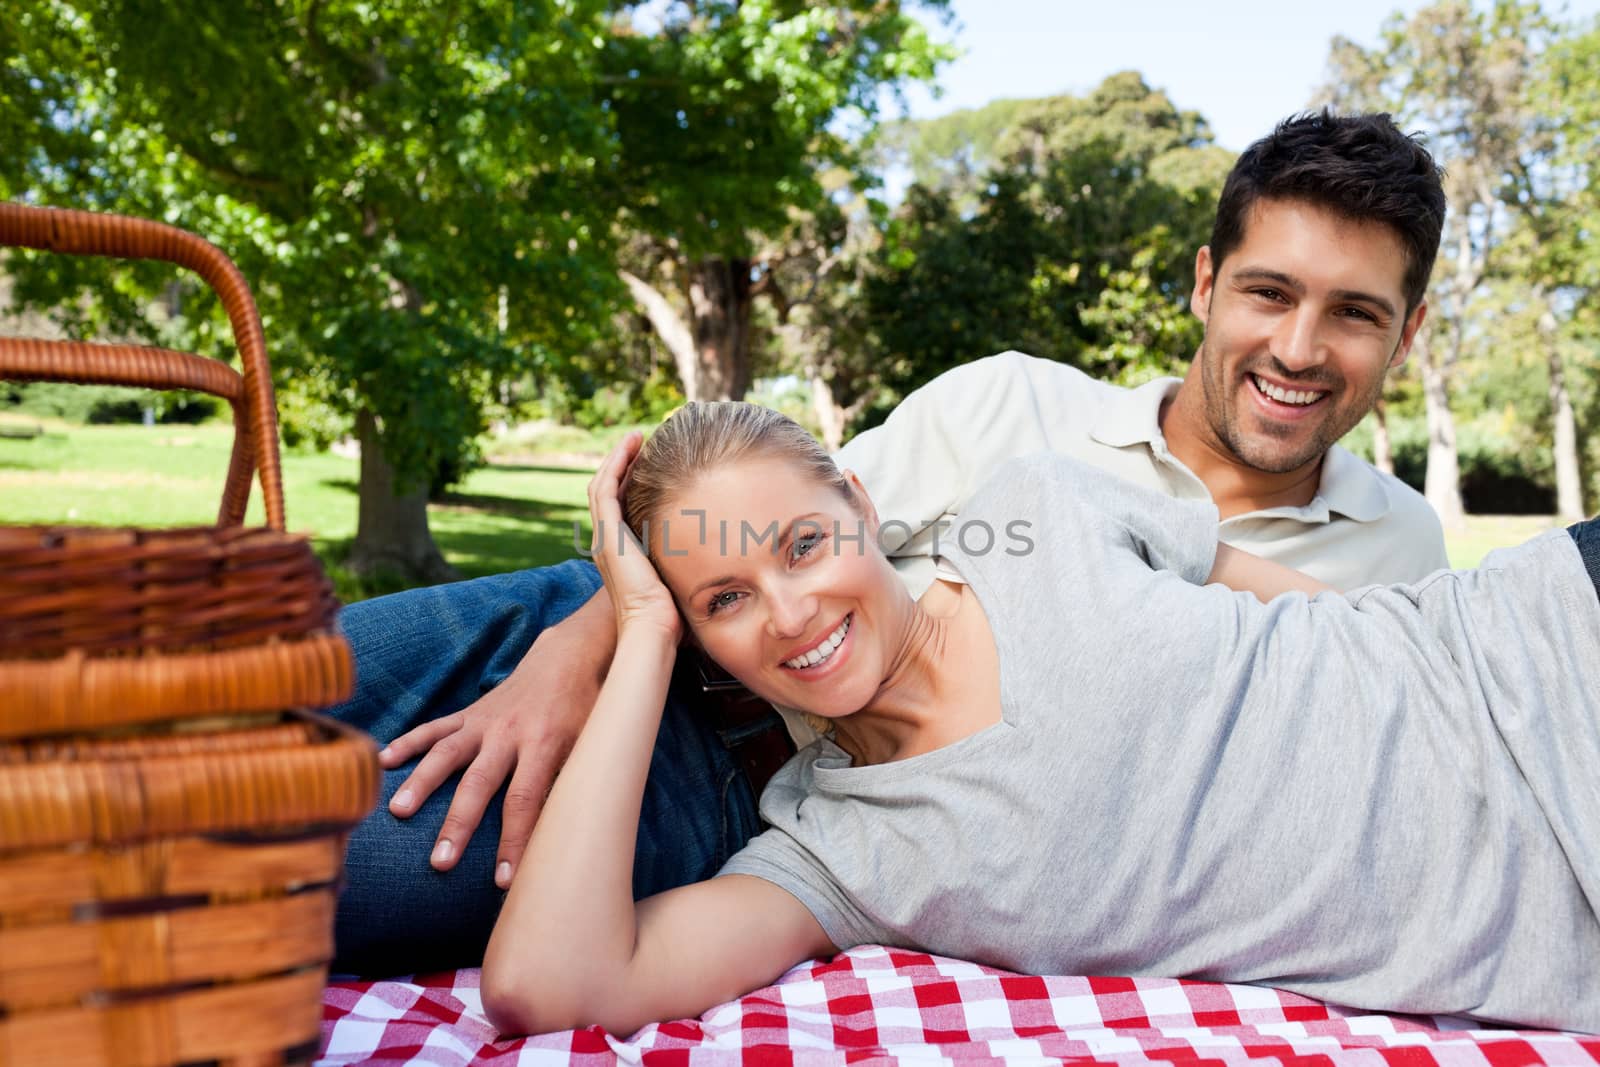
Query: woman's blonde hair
[{"x": 704, "y": 435}]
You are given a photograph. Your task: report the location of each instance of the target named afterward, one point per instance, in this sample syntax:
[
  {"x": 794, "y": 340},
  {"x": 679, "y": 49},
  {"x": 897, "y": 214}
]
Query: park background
[{"x": 489, "y": 237}]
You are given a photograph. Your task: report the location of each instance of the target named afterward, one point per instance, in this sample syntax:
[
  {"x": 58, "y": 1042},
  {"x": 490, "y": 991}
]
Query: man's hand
[{"x": 523, "y": 728}]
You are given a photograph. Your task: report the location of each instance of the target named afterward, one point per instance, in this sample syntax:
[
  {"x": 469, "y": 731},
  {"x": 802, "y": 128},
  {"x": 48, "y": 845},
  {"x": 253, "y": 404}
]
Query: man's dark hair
[{"x": 1358, "y": 166}]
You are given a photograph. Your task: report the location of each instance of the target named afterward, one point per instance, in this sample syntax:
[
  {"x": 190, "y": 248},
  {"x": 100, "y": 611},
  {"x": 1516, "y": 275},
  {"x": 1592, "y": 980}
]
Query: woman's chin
[{"x": 822, "y": 706}]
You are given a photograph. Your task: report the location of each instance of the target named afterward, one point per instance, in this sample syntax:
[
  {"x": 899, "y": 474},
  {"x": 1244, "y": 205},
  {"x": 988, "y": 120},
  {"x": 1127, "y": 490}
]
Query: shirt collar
[
  {"x": 1133, "y": 416},
  {"x": 1349, "y": 487},
  {"x": 1352, "y": 487}
]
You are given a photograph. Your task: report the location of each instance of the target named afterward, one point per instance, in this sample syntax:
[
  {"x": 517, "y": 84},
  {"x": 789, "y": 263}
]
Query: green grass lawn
[
  {"x": 1483, "y": 533},
  {"x": 516, "y": 513},
  {"x": 501, "y": 518}
]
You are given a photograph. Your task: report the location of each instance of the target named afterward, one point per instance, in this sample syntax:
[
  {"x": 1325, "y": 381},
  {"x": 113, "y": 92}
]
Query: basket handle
[{"x": 85, "y": 233}]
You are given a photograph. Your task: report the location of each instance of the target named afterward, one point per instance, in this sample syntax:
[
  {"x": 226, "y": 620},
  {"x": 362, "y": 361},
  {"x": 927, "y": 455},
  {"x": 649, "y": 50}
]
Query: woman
[{"x": 1073, "y": 755}]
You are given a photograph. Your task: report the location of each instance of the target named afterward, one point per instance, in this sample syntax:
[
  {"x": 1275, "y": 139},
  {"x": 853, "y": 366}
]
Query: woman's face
[{"x": 783, "y": 584}]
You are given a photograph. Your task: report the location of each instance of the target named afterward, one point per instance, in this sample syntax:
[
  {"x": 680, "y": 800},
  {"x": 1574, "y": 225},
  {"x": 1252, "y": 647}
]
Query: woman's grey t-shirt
[{"x": 1389, "y": 799}]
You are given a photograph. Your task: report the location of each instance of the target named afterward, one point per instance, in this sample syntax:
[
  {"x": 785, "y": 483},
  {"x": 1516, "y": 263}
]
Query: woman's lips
[{"x": 832, "y": 662}]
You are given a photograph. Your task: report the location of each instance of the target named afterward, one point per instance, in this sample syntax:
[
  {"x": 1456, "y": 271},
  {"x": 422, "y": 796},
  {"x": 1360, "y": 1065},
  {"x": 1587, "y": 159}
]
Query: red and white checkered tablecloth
[{"x": 874, "y": 1004}]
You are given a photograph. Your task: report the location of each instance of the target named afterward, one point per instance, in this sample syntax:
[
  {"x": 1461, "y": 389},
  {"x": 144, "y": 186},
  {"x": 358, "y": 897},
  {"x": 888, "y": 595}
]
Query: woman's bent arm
[
  {"x": 1241, "y": 571},
  {"x": 570, "y": 947}
]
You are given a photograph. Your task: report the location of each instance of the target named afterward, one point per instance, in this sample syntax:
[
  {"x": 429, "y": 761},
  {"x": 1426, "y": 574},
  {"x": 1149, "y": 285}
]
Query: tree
[
  {"x": 1463, "y": 77},
  {"x": 951, "y": 153},
  {"x": 727, "y": 112},
  {"x": 1558, "y": 207},
  {"x": 814, "y": 286},
  {"x": 954, "y": 153},
  {"x": 383, "y": 173},
  {"x": 1077, "y": 245}
]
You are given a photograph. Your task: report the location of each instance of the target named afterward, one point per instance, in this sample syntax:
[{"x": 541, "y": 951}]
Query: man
[{"x": 1311, "y": 290}]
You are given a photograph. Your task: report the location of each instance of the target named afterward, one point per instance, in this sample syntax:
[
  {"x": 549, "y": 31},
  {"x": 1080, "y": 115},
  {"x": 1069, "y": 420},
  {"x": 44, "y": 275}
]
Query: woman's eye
[
  {"x": 805, "y": 544},
  {"x": 721, "y": 600}
]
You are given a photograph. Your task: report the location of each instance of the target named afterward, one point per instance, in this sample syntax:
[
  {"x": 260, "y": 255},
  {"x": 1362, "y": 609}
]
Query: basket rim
[
  {"x": 97, "y": 801},
  {"x": 77, "y": 692}
]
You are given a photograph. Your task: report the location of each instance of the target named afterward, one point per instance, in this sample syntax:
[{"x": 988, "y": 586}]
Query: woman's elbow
[
  {"x": 531, "y": 1003},
  {"x": 517, "y": 1001}
]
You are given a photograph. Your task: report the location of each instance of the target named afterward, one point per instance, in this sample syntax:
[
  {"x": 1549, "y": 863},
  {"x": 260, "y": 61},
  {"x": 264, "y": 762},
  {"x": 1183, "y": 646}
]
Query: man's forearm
[
  {"x": 586, "y": 639},
  {"x": 591, "y": 632}
]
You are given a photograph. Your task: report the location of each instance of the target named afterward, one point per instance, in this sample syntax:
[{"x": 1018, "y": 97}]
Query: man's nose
[{"x": 1297, "y": 343}]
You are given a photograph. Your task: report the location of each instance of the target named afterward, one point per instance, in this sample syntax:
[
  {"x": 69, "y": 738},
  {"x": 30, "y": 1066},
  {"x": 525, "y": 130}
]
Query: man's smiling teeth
[
  {"x": 1284, "y": 396},
  {"x": 823, "y": 650}
]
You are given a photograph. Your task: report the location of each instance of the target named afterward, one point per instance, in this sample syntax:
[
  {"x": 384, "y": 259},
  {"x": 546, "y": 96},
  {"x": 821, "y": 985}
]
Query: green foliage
[
  {"x": 381, "y": 173},
  {"x": 428, "y": 197},
  {"x": 1504, "y": 94},
  {"x": 1566, "y": 94},
  {"x": 1505, "y": 468},
  {"x": 1079, "y": 246},
  {"x": 725, "y": 115},
  {"x": 951, "y": 152},
  {"x": 954, "y": 153},
  {"x": 98, "y": 404},
  {"x": 788, "y": 395},
  {"x": 734, "y": 119},
  {"x": 649, "y": 401}
]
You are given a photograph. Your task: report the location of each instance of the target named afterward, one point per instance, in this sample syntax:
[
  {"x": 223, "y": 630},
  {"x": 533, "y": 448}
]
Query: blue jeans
[
  {"x": 1587, "y": 537},
  {"x": 428, "y": 652}
]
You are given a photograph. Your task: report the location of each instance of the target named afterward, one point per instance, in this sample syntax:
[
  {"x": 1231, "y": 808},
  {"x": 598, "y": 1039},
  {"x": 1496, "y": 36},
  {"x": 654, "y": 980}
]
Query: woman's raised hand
[{"x": 637, "y": 592}]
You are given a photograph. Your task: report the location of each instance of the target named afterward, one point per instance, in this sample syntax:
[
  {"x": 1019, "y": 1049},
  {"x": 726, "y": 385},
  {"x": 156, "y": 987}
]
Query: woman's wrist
[{"x": 642, "y": 643}]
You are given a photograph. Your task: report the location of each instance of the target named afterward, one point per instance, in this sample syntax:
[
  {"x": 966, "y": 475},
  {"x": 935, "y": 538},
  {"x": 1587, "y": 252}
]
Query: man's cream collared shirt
[{"x": 921, "y": 466}]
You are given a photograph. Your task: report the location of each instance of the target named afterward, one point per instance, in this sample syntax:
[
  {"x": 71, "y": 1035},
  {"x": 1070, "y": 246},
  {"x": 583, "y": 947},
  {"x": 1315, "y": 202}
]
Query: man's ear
[
  {"x": 863, "y": 503},
  {"x": 1204, "y": 278},
  {"x": 1408, "y": 334}
]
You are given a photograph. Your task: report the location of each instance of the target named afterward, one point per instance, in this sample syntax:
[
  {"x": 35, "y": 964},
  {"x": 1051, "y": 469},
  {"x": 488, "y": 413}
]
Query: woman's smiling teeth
[
  {"x": 1285, "y": 396},
  {"x": 822, "y": 651}
]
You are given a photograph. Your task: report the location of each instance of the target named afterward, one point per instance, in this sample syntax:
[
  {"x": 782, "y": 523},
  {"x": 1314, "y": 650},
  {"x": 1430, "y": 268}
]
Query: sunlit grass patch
[
  {"x": 498, "y": 519},
  {"x": 1484, "y": 533}
]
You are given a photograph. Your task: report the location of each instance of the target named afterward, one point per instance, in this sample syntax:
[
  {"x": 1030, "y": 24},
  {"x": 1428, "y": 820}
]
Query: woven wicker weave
[{"x": 171, "y": 840}]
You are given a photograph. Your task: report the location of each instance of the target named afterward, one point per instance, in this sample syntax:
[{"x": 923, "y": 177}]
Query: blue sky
[{"x": 1241, "y": 64}]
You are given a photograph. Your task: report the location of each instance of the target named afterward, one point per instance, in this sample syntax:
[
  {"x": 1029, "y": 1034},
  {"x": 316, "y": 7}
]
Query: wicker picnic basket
[{"x": 172, "y": 821}]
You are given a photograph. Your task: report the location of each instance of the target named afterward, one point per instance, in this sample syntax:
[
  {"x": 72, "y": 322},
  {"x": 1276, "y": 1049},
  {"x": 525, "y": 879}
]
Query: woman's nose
[{"x": 789, "y": 613}]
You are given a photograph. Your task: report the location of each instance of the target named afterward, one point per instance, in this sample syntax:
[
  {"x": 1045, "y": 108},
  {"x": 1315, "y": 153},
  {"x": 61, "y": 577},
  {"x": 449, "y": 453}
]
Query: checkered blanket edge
[{"x": 882, "y": 1005}]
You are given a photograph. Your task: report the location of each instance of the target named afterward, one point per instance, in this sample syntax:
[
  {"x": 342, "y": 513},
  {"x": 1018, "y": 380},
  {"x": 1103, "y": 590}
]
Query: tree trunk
[
  {"x": 712, "y": 350},
  {"x": 831, "y": 417},
  {"x": 1569, "y": 481},
  {"x": 673, "y": 331},
  {"x": 392, "y": 528},
  {"x": 719, "y": 303},
  {"x": 1382, "y": 448},
  {"x": 1442, "y": 486}
]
